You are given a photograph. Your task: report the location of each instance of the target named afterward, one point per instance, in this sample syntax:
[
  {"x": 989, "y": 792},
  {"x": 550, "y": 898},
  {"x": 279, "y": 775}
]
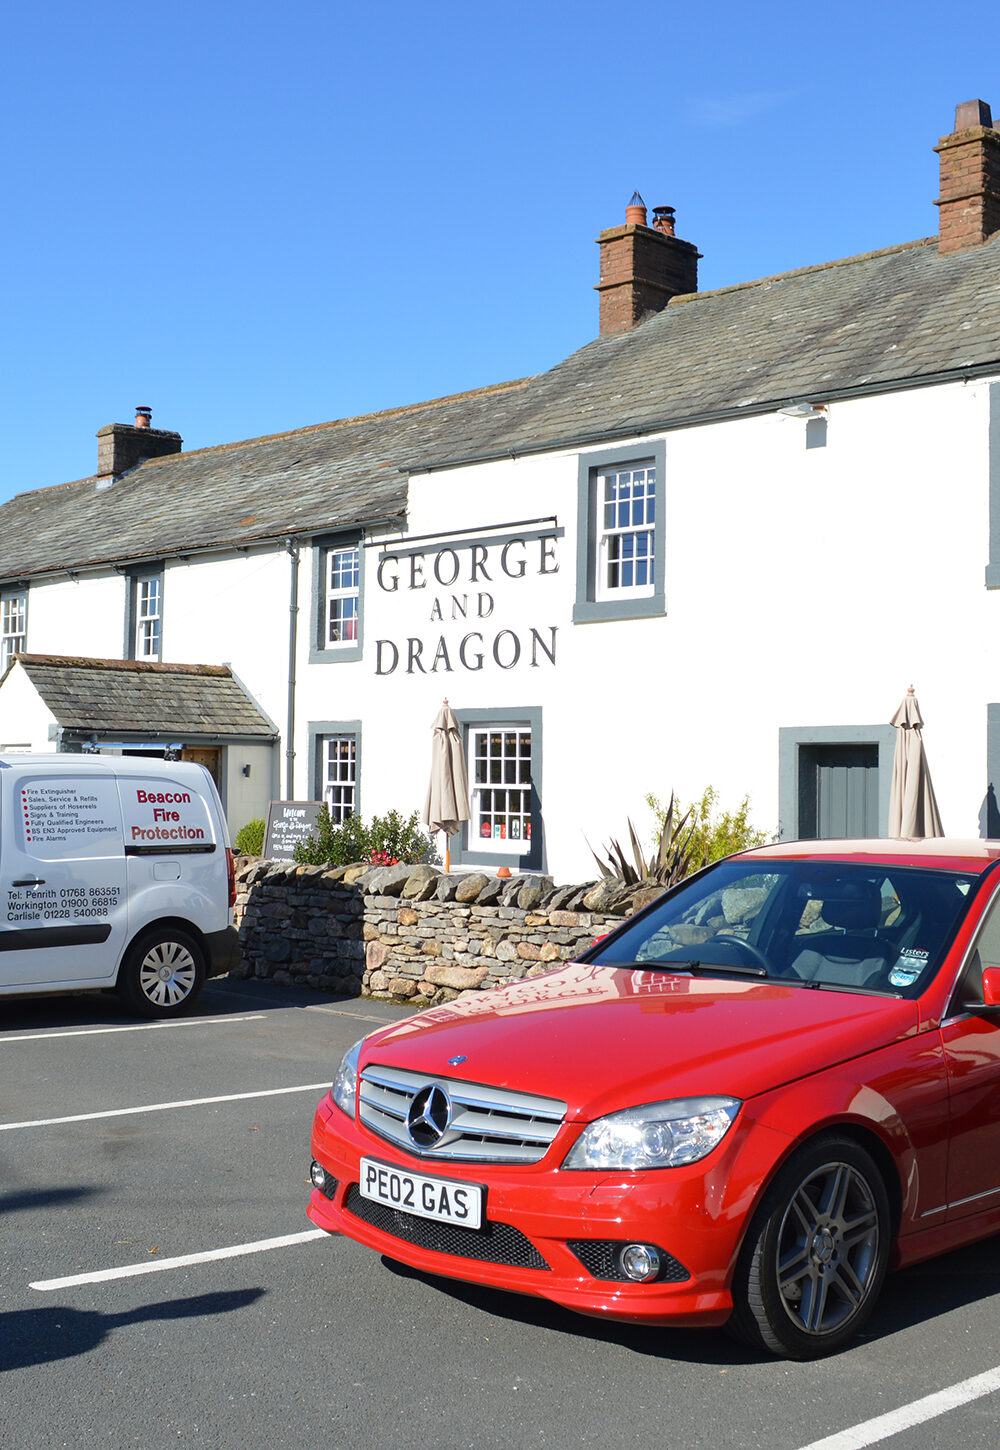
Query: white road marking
[
  {"x": 156, "y": 1266},
  {"x": 306, "y": 1087},
  {"x": 142, "y": 1027},
  {"x": 355, "y": 1016},
  {"x": 870, "y": 1432}
]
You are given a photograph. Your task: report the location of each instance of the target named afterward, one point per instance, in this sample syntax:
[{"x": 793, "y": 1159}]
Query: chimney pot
[
  {"x": 972, "y": 113},
  {"x": 664, "y": 220},
  {"x": 635, "y": 212},
  {"x": 143, "y": 417}
]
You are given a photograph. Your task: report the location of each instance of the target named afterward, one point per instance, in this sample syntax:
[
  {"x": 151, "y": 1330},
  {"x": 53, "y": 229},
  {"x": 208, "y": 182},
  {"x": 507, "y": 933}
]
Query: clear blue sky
[{"x": 256, "y": 216}]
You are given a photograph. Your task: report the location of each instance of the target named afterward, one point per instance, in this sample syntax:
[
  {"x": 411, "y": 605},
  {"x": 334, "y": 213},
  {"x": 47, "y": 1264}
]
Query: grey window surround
[
  {"x": 989, "y": 816},
  {"x": 993, "y": 567},
  {"x": 132, "y": 578},
  {"x": 318, "y": 729},
  {"x": 319, "y": 653},
  {"x": 588, "y": 609},
  {"x": 462, "y": 853},
  {"x": 792, "y": 738}
]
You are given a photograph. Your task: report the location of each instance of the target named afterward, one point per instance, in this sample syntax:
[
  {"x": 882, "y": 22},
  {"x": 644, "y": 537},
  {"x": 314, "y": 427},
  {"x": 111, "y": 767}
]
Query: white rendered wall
[
  {"x": 804, "y": 587},
  {"x": 24, "y": 719},
  {"x": 232, "y": 610},
  {"x": 85, "y": 616}
]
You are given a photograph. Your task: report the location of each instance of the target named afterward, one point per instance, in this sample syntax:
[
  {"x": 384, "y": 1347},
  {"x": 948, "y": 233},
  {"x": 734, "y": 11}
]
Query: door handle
[{"x": 28, "y": 881}]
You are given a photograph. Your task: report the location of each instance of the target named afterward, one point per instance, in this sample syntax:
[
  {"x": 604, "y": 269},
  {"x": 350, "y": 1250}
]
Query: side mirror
[
  {"x": 990, "y": 1005},
  {"x": 991, "y": 986}
]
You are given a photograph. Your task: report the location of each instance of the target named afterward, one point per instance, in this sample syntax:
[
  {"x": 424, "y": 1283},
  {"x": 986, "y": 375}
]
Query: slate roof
[
  {"x": 329, "y": 476},
  {"x": 139, "y": 697},
  {"x": 885, "y": 319}
]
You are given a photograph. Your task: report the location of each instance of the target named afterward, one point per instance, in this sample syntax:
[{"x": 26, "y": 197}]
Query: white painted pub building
[{"x": 713, "y": 547}]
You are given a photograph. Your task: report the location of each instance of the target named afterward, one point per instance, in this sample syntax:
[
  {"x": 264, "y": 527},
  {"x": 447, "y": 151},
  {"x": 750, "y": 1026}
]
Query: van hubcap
[{"x": 167, "y": 974}]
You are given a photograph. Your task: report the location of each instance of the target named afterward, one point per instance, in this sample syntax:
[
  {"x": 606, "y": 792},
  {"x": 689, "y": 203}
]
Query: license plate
[{"x": 443, "y": 1199}]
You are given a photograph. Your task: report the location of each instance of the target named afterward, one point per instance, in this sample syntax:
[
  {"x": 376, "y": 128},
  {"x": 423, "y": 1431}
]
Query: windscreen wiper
[
  {"x": 699, "y": 968},
  {"x": 822, "y": 986}
]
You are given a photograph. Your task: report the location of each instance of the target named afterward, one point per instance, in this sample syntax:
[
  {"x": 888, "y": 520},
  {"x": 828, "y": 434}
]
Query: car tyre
[
  {"x": 162, "y": 974},
  {"x": 816, "y": 1253}
]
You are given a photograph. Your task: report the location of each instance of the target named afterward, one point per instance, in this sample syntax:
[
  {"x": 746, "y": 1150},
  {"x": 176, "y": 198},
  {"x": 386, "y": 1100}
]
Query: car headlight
[
  {"x": 655, "y": 1135},
  {"x": 345, "y": 1084}
]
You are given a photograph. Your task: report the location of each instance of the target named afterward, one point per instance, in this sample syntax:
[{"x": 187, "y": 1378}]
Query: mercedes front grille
[{"x": 486, "y": 1124}]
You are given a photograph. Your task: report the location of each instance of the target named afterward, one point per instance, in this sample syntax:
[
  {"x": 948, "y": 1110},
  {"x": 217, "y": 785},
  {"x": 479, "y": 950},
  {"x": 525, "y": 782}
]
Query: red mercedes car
[{"x": 746, "y": 1104}]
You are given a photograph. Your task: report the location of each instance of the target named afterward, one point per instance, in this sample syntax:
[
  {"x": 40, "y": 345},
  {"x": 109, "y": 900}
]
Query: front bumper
[{"x": 534, "y": 1214}]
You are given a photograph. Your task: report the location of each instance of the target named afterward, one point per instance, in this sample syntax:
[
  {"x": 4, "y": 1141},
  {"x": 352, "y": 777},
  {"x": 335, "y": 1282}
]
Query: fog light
[
  {"x": 640, "y": 1262},
  {"x": 318, "y": 1175}
]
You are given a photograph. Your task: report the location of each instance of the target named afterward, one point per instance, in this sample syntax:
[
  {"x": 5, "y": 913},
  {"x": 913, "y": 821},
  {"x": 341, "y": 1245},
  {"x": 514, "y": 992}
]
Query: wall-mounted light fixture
[
  {"x": 803, "y": 410},
  {"x": 246, "y": 770}
]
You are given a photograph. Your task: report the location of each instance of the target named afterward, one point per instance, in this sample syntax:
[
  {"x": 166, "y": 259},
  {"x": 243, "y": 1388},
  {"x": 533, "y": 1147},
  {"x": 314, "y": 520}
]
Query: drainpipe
[{"x": 292, "y": 550}]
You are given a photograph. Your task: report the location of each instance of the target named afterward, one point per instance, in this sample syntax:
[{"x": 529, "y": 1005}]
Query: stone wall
[{"x": 413, "y": 932}]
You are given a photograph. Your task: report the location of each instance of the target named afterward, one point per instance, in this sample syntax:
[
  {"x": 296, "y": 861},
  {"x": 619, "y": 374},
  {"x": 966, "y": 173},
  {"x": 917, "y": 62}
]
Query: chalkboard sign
[{"x": 288, "y": 823}]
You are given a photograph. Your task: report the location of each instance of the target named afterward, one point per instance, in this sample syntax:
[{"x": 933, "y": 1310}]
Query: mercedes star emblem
[{"x": 429, "y": 1117}]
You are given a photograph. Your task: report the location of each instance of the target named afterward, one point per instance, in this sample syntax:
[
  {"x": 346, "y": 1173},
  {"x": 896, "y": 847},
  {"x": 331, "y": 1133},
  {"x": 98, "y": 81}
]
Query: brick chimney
[
  {"x": 121, "y": 446},
  {"x": 642, "y": 267},
  {"x": 970, "y": 180}
]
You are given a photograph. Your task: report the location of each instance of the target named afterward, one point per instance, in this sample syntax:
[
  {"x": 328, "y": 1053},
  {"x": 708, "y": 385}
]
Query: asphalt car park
[{"x": 161, "y": 1284}]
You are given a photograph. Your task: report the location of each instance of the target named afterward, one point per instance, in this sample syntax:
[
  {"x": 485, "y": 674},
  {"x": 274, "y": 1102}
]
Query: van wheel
[
  {"x": 816, "y": 1254},
  {"x": 162, "y": 974}
]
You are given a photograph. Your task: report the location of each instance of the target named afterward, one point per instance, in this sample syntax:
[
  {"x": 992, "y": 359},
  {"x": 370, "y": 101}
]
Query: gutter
[{"x": 278, "y": 541}]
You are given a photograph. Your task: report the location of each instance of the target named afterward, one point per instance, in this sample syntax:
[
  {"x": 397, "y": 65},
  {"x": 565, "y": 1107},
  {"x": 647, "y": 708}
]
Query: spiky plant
[{"x": 674, "y": 857}]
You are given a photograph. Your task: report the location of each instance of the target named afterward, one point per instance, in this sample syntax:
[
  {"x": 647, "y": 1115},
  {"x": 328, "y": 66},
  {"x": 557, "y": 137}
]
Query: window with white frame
[
  {"x": 626, "y": 561},
  {"x": 343, "y": 566},
  {"x": 620, "y": 537},
  {"x": 13, "y": 626},
  {"x": 500, "y": 772},
  {"x": 339, "y": 763},
  {"x": 148, "y": 616}
]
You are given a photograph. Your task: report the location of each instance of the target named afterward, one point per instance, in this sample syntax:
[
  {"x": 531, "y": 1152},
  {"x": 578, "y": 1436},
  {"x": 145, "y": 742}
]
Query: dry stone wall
[{"x": 413, "y": 932}]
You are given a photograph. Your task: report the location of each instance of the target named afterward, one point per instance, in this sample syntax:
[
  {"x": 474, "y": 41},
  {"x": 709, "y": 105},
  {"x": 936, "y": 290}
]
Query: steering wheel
[{"x": 751, "y": 951}]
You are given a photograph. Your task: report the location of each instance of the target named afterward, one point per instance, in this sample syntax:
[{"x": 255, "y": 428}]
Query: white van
[{"x": 114, "y": 872}]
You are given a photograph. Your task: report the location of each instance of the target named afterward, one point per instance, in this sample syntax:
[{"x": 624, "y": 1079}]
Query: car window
[{"x": 819, "y": 923}]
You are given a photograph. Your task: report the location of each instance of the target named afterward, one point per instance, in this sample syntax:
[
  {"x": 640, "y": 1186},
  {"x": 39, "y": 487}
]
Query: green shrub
[
  {"x": 392, "y": 838},
  {"x": 250, "y": 838},
  {"x": 711, "y": 834},
  {"x": 385, "y": 841}
]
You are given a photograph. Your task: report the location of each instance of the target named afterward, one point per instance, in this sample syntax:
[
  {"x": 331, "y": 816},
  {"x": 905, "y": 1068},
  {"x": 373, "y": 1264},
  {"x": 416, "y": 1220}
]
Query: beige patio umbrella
[
  {"x": 913, "y": 810},
  {"x": 448, "y": 793}
]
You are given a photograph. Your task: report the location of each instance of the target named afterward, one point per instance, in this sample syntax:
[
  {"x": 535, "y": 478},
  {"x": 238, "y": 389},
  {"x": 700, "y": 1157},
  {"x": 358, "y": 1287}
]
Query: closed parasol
[
  {"x": 913, "y": 810},
  {"x": 448, "y": 793}
]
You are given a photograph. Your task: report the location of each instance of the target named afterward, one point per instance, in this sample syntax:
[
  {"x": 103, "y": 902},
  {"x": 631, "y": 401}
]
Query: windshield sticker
[{"x": 908, "y": 967}]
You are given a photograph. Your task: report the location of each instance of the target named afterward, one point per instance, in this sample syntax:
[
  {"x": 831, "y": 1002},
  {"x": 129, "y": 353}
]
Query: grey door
[{"x": 838, "y": 791}]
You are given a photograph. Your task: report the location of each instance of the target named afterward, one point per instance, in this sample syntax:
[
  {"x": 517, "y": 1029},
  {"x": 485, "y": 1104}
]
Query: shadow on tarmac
[
  {"x": 222, "y": 997},
  {"x": 909, "y": 1298},
  {"x": 42, "y": 1198},
  {"x": 41, "y": 1336}
]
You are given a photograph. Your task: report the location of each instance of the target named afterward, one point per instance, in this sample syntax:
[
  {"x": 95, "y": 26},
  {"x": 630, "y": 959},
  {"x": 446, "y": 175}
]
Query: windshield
[{"x": 839, "y": 924}]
